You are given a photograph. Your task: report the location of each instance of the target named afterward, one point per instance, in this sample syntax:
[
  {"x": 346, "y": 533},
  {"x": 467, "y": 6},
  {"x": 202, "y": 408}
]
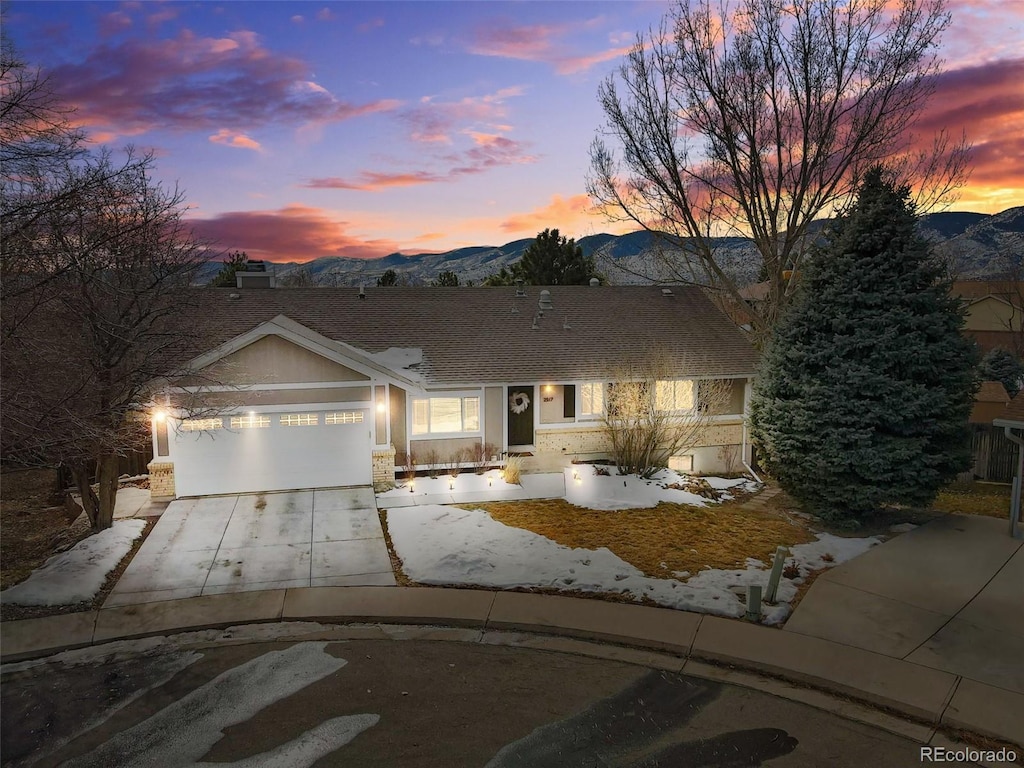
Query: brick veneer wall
[
  {"x": 384, "y": 469},
  {"x": 161, "y": 480},
  {"x": 586, "y": 440}
]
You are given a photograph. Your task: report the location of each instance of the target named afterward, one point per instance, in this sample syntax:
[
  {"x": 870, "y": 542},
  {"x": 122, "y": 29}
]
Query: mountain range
[{"x": 975, "y": 245}]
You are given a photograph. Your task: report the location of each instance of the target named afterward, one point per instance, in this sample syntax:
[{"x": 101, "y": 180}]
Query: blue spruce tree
[{"x": 866, "y": 386}]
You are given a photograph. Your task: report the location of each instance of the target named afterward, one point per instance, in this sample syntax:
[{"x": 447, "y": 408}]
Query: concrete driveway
[
  {"x": 205, "y": 546},
  {"x": 948, "y": 595}
]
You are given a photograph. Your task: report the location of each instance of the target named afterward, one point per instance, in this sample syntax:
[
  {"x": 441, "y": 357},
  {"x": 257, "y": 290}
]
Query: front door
[{"x": 520, "y": 415}]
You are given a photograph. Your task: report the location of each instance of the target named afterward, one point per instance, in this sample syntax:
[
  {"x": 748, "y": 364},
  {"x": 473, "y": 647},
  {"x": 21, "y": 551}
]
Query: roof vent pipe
[
  {"x": 520, "y": 291},
  {"x": 545, "y": 300},
  {"x": 362, "y": 291},
  {"x": 594, "y": 282}
]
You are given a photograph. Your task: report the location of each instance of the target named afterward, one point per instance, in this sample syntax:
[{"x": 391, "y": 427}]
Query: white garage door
[{"x": 272, "y": 452}]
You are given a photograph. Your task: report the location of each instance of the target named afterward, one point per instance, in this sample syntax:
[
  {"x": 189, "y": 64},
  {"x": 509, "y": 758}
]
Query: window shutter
[{"x": 569, "y": 401}]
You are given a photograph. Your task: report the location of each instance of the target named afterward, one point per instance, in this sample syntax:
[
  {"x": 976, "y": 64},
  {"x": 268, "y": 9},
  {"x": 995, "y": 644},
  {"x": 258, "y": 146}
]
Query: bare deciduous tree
[
  {"x": 103, "y": 308},
  {"x": 755, "y": 118},
  {"x": 648, "y": 417}
]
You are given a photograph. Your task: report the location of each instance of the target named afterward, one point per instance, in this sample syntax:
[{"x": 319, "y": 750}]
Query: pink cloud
[
  {"x": 115, "y": 22},
  {"x": 370, "y": 25},
  {"x": 325, "y": 14},
  {"x": 568, "y": 214},
  {"x": 987, "y": 102},
  {"x": 494, "y": 152},
  {"x": 433, "y": 121},
  {"x": 294, "y": 233},
  {"x": 540, "y": 43},
  {"x": 374, "y": 181},
  {"x": 231, "y": 138},
  {"x": 166, "y": 13},
  {"x": 196, "y": 83}
]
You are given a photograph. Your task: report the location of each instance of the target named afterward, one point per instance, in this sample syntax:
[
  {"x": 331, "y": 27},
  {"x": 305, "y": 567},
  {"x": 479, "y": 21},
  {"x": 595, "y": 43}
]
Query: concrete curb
[{"x": 923, "y": 694}]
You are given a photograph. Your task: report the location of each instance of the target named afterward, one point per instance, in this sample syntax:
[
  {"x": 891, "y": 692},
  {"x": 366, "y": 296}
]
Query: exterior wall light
[{"x": 159, "y": 415}]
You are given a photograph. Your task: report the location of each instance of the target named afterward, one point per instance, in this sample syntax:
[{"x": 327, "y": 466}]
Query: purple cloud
[{"x": 198, "y": 83}]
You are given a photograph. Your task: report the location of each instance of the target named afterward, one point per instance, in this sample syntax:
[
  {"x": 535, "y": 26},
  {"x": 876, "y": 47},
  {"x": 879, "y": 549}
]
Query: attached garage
[{"x": 283, "y": 450}]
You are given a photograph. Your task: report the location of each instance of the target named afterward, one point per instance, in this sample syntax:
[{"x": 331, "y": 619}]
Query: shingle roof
[
  {"x": 471, "y": 335},
  {"x": 1014, "y": 410},
  {"x": 979, "y": 289},
  {"x": 992, "y": 392}
]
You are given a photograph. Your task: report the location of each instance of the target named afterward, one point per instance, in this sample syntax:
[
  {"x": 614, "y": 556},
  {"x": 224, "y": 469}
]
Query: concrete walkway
[
  {"x": 948, "y": 595},
  {"x": 212, "y": 545},
  {"x": 930, "y": 697}
]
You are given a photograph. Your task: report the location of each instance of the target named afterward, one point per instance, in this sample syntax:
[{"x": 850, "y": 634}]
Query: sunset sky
[{"x": 308, "y": 129}]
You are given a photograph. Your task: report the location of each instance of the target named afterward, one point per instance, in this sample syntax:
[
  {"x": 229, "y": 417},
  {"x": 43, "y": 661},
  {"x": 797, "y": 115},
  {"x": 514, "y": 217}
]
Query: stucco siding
[
  {"x": 494, "y": 415},
  {"x": 992, "y": 314},
  {"x": 273, "y": 360},
  {"x": 593, "y": 439}
]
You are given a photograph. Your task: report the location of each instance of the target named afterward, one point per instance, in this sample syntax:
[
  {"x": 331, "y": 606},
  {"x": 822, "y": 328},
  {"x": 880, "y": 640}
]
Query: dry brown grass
[
  {"x": 30, "y": 527},
  {"x": 974, "y": 499},
  {"x": 682, "y": 537},
  {"x": 30, "y": 531}
]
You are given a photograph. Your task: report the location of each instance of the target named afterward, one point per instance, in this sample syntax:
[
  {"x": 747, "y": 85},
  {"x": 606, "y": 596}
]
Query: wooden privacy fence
[{"x": 995, "y": 457}]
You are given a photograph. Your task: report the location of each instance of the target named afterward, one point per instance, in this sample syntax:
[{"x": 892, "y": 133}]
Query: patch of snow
[
  {"x": 465, "y": 482},
  {"x": 159, "y": 646},
  {"x": 132, "y": 479},
  {"x": 401, "y": 360},
  {"x": 184, "y": 731},
  {"x": 78, "y": 574},
  {"x": 445, "y": 545},
  {"x": 127, "y": 503},
  {"x": 828, "y": 551},
  {"x": 584, "y": 487}
]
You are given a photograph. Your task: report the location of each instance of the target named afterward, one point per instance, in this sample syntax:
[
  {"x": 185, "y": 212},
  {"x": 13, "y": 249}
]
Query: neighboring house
[
  {"x": 989, "y": 402},
  {"x": 329, "y": 387},
  {"x": 1012, "y": 423},
  {"x": 995, "y": 310}
]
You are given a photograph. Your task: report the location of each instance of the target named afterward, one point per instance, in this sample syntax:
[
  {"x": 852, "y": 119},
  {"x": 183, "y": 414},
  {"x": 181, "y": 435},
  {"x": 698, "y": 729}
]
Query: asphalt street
[{"x": 409, "y": 703}]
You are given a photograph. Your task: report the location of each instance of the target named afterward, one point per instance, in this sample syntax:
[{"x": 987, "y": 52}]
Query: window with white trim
[
  {"x": 201, "y": 425},
  {"x": 250, "y": 421},
  {"x": 300, "y": 420},
  {"x": 674, "y": 395},
  {"x": 445, "y": 415},
  {"x": 592, "y": 399},
  {"x": 344, "y": 417}
]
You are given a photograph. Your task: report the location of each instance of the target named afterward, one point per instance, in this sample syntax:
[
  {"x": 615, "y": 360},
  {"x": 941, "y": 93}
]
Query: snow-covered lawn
[
  {"x": 585, "y": 486},
  {"x": 449, "y": 545},
  {"x": 77, "y": 575},
  {"x": 466, "y": 481}
]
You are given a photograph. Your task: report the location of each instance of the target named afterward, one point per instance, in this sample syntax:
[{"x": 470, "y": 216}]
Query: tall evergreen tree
[
  {"x": 388, "y": 279},
  {"x": 552, "y": 259},
  {"x": 1000, "y": 365},
  {"x": 447, "y": 278},
  {"x": 865, "y": 390},
  {"x": 237, "y": 261}
]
